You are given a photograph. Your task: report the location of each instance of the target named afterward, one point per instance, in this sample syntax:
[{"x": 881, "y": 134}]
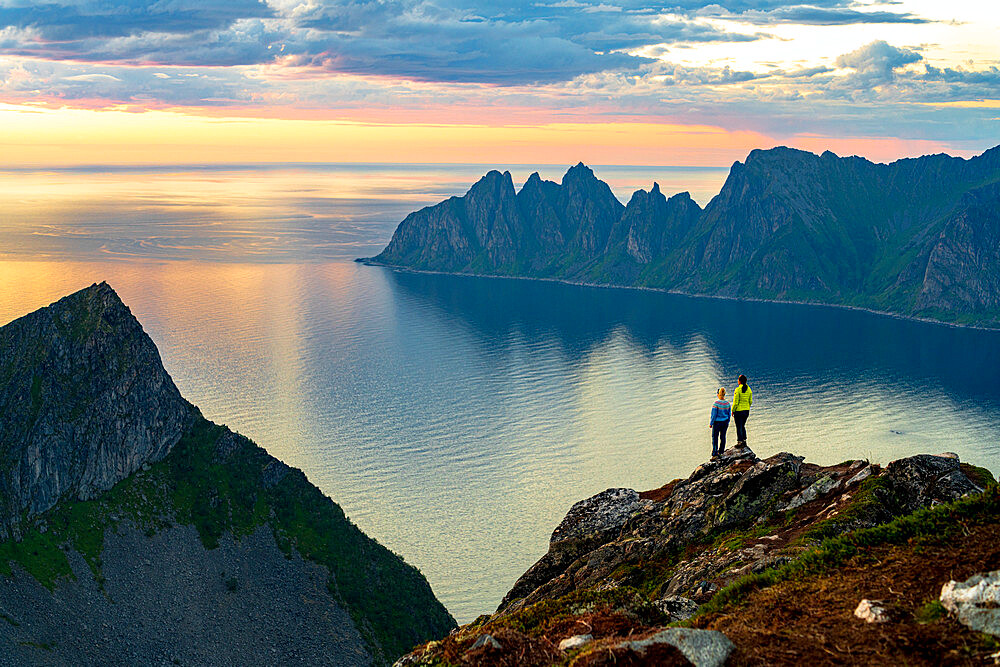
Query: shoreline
[{"x": 368, "y": 261}]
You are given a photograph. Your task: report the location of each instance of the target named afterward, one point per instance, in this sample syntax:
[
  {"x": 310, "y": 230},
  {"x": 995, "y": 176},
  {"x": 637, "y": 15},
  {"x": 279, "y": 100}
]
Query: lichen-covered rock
[
  {"x": 601, "y": 515},
  {"x": 676, "y": 607},
  {"x": 704, "y": 648},
  {"x": 925, "y": 480},
  {"x": 84, "y": 403},
  {"x": 820, "y": 487},
  {"x": 975, "y": 601}
]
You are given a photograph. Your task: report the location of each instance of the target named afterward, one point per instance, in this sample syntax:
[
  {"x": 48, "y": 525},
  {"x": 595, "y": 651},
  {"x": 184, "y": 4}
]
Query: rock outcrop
[
  {"x": 622, "y": 565},
  {"x": 598, "y": 546},
  {"x": 135, "y": 531},
  {"x": 915, "y": 237}
]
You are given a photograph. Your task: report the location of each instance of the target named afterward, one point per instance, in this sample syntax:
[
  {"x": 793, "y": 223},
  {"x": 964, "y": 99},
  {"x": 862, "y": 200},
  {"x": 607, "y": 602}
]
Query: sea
[{"x": 456, "y": 419}]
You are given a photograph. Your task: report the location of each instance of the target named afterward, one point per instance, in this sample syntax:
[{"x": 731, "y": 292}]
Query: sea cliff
[{"x": 135, "y": 531}]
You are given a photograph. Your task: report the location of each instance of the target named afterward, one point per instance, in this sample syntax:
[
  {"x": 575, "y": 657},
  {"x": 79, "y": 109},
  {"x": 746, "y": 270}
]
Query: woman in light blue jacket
[{"x": 719, "y": 422}]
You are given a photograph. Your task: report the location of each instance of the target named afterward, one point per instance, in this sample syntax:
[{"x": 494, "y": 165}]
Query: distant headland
[{"x": 919, "y": 237}]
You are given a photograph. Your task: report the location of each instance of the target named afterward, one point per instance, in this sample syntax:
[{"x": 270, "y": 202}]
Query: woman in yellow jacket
[{"x": 742, "y": 400}]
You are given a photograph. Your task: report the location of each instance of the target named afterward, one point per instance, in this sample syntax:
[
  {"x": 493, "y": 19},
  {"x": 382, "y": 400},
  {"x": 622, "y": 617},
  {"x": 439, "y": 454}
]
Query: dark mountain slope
[
  {"x": 129, "y": 472},
  {"x": 787, "y": 224}
]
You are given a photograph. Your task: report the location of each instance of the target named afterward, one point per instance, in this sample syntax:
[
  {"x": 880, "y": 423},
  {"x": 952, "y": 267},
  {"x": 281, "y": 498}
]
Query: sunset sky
[{"x": 691, "y": 82}]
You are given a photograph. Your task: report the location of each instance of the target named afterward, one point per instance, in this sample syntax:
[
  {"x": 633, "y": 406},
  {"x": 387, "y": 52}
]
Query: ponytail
[{"x": 743, "y": 383}]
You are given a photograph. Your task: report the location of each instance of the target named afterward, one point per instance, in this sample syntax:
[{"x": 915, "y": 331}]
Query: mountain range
[{"x": 917, "y": 237}]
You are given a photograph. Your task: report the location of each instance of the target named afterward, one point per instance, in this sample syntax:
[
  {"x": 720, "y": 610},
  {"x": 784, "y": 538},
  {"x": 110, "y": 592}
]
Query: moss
[
  {"x": 981, "y": 477},
  {"x": 40, "y": 554},
  {"x": 930, "y": 612},
  {"x": 864, "y": 505},
  {"x": 535, "y": 619}
]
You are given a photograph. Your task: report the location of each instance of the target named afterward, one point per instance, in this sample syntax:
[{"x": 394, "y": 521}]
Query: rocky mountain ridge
[
  {"x": 138, "y": 532},
  {"x": 914, "y": 237},
  {"x": 622, "y": 566},
  {"x": 84, "y": 403}
]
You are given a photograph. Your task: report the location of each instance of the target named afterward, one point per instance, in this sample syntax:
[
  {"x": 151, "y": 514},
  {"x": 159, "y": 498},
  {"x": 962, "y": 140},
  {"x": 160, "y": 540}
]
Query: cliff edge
[{"x": 753, "y": 561}]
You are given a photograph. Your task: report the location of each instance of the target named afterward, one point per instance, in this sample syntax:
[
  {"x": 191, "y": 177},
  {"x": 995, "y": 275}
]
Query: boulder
[
  {"x": 704, "y": 648},
  {"x": 603, "y": 514},
  {"x": 861, "y": 476},
  {"x": 975, "y": 601},
  {"x": 676, "y": 607},
  {"x": 820, "y": 487},
  {"x": 926, "y": 480},
  {"x": 757, "y": 490}
]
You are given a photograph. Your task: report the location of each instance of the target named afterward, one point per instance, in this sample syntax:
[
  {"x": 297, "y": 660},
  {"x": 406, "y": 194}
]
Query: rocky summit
[
  {"x": 84, "y": 403},
  {"x": 916, "y": 237},
  {"x": 135, "y": 531},
  {"x": 754, "y": 561}
]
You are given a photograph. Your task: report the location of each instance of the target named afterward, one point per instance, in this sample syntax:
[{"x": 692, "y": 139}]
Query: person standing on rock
[
  {"x": 720, "y": 423},
  {"x": 742, "y": 400}
]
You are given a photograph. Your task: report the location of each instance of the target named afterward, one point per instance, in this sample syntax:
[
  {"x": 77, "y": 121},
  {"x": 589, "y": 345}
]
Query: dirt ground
[{"x": 812, "y": 621}]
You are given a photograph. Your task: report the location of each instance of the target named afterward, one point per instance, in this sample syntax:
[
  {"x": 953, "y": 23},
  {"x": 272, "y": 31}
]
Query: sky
[{"x": 687, "y": 82}]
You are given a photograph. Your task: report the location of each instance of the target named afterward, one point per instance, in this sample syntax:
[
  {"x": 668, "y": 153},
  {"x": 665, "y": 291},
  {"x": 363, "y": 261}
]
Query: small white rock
[
  {"x": 872, "y": 611},
  {"x": 576, "y": 641}
]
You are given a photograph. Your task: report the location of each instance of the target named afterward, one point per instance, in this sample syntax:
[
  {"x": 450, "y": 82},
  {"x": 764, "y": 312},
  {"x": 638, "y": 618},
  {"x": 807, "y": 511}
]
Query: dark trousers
[
  {"x": 740, "y": 417},
  {"x": 719, "y": 437}
]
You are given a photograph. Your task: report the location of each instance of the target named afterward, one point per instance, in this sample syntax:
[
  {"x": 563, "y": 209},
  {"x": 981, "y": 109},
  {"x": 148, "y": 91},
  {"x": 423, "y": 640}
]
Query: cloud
[
  {"x": 811, "y": 15},
  {"x": 473, "y": 41},
  {"x": 68, "y": 20},
  {"x": 875, "y": 63},
  {"x": 567, "y": 59}
]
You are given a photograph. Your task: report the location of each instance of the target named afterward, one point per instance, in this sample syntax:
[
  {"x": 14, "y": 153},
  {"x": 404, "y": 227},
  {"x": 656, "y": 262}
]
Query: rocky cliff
[
  {"x": 84, "y": 402},
  {"x": 913, "y": 237},
  {"x": 708, "y": 553},
  {"x": 138, "y": 532}
]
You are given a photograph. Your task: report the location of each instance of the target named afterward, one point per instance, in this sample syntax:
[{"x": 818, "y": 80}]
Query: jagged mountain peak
[
  {"x": 579, "y": 172},
  {"x": 786, "y": 222},
  {"x": 84, "y": 402},
  {"x": 680, "y": 197}
]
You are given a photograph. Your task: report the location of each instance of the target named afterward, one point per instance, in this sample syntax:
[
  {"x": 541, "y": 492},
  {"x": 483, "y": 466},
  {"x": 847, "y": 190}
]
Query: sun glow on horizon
[{"x": 43, "y": 137}]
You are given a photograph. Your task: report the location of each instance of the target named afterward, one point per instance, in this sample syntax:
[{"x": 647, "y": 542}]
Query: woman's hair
[{"x": 743, "y": 383}]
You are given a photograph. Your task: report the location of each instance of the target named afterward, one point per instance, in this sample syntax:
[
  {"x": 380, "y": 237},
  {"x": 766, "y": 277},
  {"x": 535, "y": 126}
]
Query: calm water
[{"x": 456, "y": 419}]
